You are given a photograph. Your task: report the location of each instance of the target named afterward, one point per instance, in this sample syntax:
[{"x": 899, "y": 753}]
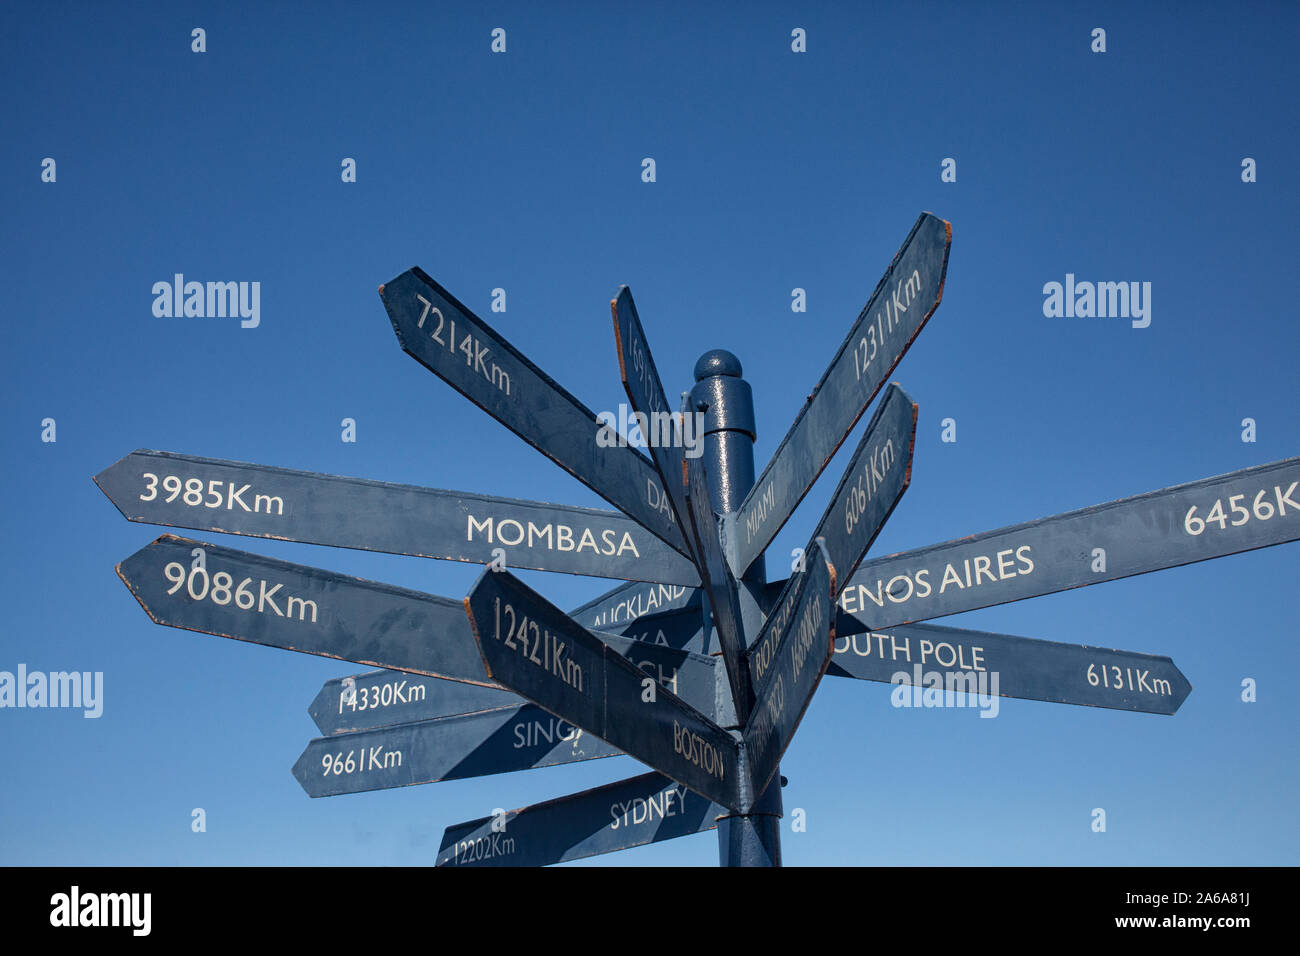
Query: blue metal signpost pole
[{"x": 753, "y": 839}]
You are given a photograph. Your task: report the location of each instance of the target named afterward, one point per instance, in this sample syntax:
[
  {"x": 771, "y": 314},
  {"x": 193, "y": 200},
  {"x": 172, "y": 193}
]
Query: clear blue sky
[{"x": 775, "y": 170}]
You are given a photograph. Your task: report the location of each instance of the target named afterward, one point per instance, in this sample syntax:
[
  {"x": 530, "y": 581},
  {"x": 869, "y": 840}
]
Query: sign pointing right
[
  {"x": 787, "y": 669},
  {"x": 1240, "y": 511},
  {"x": 897, "y": 311},
  {"x": 873, "y": 483},
  {"x": 993, "y": 665}
]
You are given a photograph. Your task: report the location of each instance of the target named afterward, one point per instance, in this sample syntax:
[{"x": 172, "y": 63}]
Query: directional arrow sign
[
  {"x": 538, "y": 651},
  {"x": 471, "y": 745},
  {"x": 992, "y": 665},
  {"x": 662, "y": 427},
  {"x": 788, "y": 661},
  {"x": 645, "y": 809},
  {"x": 902, "y": 303},
  {"x": 460, "y": 348},
  {"x": 873, "y": 483},
  {"x": 233, "y": 497},
  {"x": 248, "y": 597},
  {"x": 719, "y": 584},
  {"x": 385, "y": 698},
  {"x": 1240, "y": 511}
]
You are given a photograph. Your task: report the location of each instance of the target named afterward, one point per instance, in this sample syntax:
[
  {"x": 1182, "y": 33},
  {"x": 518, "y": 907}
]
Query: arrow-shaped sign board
[
  {"x": 663, "y": 428},
  {"x": 249, "y": 597},
  {"x": 896, "y": 312},
  {"x": 955, "y": 661},
  {"x": 209, "y": 494},
  {"x": 539, "y": 652},
  {"x": 460, "y": 348},
  {"x": 1240, "y": 511},
  {"x": 646, "y": 809},
  {"x": 386, "y": 698},
  {"x": 873, "y": 483},
  {"x": 724, "y": 601},
  {"x": 501, "y": 740},
  {"x": 787, "y": 661}
]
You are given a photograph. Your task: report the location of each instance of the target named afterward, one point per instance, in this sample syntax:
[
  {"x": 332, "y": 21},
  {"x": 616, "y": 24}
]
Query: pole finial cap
[{"x": 717, "y": 362}]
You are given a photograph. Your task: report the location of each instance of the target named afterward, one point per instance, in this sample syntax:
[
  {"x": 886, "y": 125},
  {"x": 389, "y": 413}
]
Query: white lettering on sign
[
  {"x": 888, "y": 319},
  {"x": 360, "y": 761},
  {"x": 533, "y": 733},
  {"x": 763, "y": 504},
  {"x": 642, "y": 602},
  {"x": 697, "y": 750},
  {"x": 1261, "y": 509},
  {"x": 764, "y": 721},
  {"x": 657, "y": 499},
  {"x": 193, "y": 493},
  {"x": 971, "y": 573},
  {"x": 1139, "y": 680},
  {"x": 477, "y": 355},
  {"x": 537, "y": 645},
  {"x": 639, "y": 810},
  {"x": 553, "y": 537},
  {"x": 760, "y": 655},
  {"x": 808, "y": 627},
  {"x": 868, "y": 483},
  {"x": 380, "y": 695},
  {"x": 966, "y": 657},
  {"x": 221, "y": 590},
  {"x": 482, "y": 848}
]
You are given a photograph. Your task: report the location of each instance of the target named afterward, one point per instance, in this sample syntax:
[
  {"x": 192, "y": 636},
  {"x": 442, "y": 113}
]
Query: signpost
[
  {"x": 618, "y": 816},
  {"x": 505, "y": 681},
  {"x": 500, "y": 740},
  {"x": 208, "y": 494},
  {"x": 975, "y": 662}
]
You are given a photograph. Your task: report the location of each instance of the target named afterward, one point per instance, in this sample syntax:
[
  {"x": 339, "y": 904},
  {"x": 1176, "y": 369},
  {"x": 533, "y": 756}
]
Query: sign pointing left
[
  {"x": 233, "y": 497},
  {"x": 248, "y": 597},
  {"x": 664, "y": 429},
  {"x": 500, "y": 740},
  {"x": 646, "y": 809},
  {"x": 539, "y": 652},
  {"x": 464, "y": 351}
]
